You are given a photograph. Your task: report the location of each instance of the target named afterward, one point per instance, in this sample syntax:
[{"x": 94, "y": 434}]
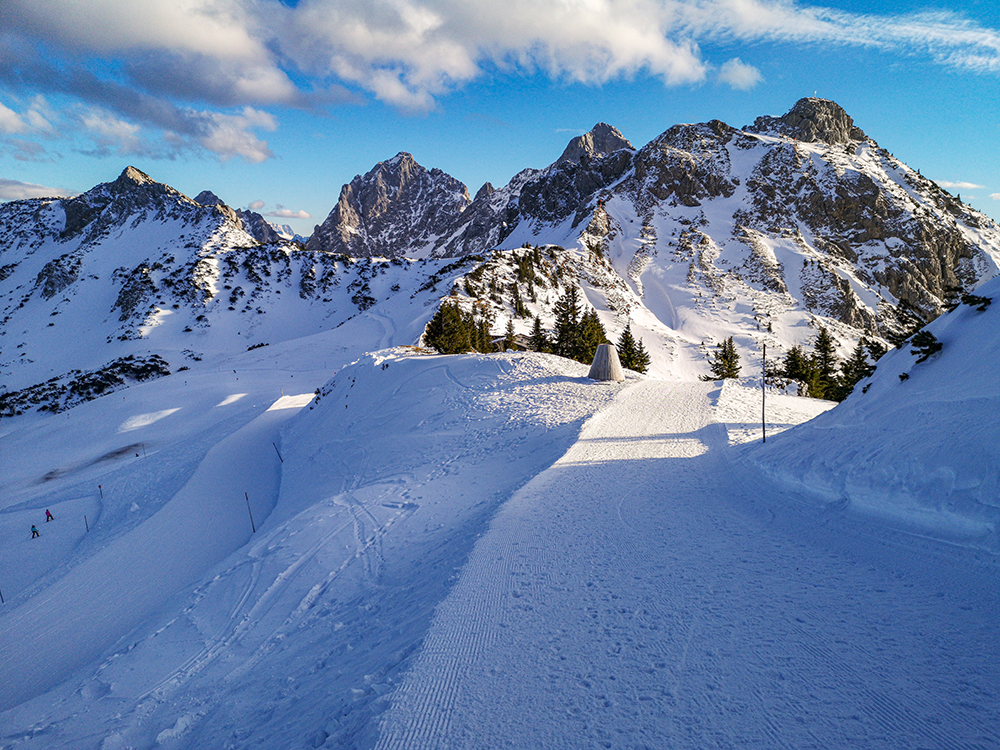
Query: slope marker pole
[
  {"x": 86, "y": 522},
  {"x": 763, "y": 393},
  {"x": 278, "y": 452},
  {"x": 1, "y": 598},
  {"x": 252, "y": 526}
]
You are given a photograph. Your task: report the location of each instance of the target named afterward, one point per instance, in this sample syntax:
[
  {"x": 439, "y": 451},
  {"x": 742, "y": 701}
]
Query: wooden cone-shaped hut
[{"x": 606, "y": 365}]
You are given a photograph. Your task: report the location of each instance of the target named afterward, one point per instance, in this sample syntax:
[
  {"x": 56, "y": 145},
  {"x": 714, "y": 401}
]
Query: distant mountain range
[{"x": 706, "y": 232}]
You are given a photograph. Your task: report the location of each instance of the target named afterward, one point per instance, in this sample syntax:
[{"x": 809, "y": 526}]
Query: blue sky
[{"x": 275, "y": 105}]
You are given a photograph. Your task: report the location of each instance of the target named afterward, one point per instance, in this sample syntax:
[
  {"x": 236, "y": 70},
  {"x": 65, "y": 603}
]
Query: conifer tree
[
  {"x": 853, "y": 370},
  {"x": 567, "y": 324},
  {"x": 626, "y": 346},
  {"x": 724, "y": 363},
  {"x": 509, "y": 342},
  {"x": 591, "y": 336},
  {"x": 641, "y": 361},
  {"x": 632, "y": 354},
  {"x": 797, "y": 365},
  {"x": 448, "y": 331},
  {"x": 824, "y": 382},
  {"x": 539, "y": 341}
]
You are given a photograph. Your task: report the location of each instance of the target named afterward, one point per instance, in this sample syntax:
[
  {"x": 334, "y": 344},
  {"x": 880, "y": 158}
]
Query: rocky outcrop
[
  {"x": 398, "y": 208},
  {"x": 812, "y": 120},
  {"x": 603, "y": 139},
  {"x": 257, "y": 226}
]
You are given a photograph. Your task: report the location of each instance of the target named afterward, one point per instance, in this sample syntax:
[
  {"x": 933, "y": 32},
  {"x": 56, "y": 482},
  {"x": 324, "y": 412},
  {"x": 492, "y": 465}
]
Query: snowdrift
[{"x": 922, "y": 450}]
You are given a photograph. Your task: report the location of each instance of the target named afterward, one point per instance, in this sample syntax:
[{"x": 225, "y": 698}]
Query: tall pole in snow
[
  {"x": 252, "y": 526},
  {"x": 763, "y": 393}
]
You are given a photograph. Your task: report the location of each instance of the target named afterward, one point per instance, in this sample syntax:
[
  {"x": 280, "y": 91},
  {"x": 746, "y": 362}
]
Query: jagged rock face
[
  {"x": 398, "y": 208},
  {"x": 207, "y": 198},
  {"x": 603, "y": 139},
  {"x": 253, "y": 223},
  {"x": 257, "y": 226},
  {"x": 110, "y": 204},
  {"x": 812, "y": 120},
  {"x": 687, "y": 164}
]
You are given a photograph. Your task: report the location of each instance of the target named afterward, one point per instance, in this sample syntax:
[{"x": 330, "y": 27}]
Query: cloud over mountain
[{"x": 176, "y": 75}]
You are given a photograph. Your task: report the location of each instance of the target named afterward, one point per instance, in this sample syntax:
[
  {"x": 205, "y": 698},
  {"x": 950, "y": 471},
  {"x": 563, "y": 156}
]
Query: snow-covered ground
[{"x": 486, "y": 551}]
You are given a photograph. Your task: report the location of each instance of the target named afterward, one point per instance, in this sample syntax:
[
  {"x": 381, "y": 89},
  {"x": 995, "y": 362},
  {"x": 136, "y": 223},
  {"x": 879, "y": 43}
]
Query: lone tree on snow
[
  {"x": 632, "y": 353},
  {"x": 725, "y": 363}
]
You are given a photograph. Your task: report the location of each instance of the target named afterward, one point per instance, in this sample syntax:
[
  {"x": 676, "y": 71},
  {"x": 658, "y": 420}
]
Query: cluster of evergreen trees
[
  {"x": 577, "y": 333},
  {"x": 453, "y": 331},
  {"x": 822, "y": 371},
  {"x": 725, "y": 363},
  {"x": 631, "y": 353}
]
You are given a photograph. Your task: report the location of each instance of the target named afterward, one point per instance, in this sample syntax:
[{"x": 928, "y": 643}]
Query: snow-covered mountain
[
  {"x": 285, "y": 232},
  {"x": 134, "y": 269},
  {"x": 762, "y": 234}
]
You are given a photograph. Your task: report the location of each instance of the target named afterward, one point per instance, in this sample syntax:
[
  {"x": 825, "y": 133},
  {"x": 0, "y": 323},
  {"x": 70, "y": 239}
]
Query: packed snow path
[{"x": 644, "y": 593}]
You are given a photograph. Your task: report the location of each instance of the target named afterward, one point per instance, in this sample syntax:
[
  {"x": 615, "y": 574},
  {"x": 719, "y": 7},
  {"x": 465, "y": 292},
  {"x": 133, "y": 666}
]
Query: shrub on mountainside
[
  {"x": 76, "y": 387},
  {"x": 925, "y": 344}
]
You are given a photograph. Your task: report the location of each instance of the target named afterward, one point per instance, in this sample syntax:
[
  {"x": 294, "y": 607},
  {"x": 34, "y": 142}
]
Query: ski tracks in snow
[{"x": 641, "y": 593}]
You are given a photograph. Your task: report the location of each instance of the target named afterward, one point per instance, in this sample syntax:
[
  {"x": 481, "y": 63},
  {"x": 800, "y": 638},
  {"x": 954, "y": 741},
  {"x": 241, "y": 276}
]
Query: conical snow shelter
[{"x": 606, "y": 365}]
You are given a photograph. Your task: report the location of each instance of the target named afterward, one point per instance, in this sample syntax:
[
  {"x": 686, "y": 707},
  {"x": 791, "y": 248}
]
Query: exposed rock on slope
[
  {"x": 603, "y": 139},
  {"x": 398, "y": 208}
]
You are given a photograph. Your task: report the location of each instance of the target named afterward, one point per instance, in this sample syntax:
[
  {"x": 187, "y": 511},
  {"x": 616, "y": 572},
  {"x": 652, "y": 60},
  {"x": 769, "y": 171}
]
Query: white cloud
[
  {"x": 10, "y": 121},
  {"x": 13, "y": 190},
  {"x": 229, "y": 136},
  {"x": 960, "y": 185},
  {"x": 256, "y": 205},
  {"x": 995, "y": 196},
  {"x": 113, "y": 133},
  {"x": 285, "y": 213},
  {"x": 408, "y": 53},
  {"x": 739, "y": 75}
]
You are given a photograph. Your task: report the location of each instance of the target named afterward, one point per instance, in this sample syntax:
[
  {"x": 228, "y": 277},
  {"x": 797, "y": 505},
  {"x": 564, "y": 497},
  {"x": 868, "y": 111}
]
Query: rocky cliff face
[
  {"x": 603, "y": 139},
  {"x": 398, "y": 208},
  {"x": 252, "y": 222}
]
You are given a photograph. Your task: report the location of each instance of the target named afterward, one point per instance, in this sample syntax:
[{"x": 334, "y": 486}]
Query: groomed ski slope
[
  {"x": 474, "y": 551},
  {"x": 645, "y": 592}
]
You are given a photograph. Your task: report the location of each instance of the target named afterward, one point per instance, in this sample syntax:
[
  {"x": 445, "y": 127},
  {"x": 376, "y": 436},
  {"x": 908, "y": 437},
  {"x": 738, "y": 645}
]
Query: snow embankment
[{"x": 921, "y": 450}]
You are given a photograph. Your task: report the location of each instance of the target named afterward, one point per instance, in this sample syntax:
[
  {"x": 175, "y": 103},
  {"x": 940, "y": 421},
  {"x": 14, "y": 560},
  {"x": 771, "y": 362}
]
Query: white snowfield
[{"x": 473, "y": 551}]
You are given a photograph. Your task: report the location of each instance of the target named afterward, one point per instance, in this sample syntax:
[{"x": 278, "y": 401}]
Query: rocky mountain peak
[
  {"x": 395, "y": 209},
  {"x": 208, "y": 198},
  {"x": 603, "y": 139},
  {"x": 812, "y": 120},
  {"x": 133, "y": 176}
]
